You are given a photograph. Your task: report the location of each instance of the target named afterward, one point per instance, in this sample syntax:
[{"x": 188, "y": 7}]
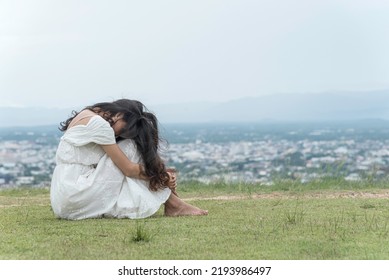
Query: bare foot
[{"x": 175, "y": 207}]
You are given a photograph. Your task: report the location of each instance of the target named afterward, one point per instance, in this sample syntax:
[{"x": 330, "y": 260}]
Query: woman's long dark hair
[{"x": 142, "y": 127}]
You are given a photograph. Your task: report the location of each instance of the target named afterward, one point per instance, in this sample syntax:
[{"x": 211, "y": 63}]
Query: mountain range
[{"x": 309, "y": 107}]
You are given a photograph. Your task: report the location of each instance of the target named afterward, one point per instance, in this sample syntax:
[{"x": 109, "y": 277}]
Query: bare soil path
[{"x": 44, "y": 200}]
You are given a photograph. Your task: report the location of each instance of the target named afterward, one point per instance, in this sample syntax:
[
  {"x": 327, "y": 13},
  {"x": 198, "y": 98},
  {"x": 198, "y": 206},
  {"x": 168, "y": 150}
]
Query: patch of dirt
[
  {"x": 44, "y": 200},
  {"x": 283, "y": 195},
  {"x": 10, "y": 201}
]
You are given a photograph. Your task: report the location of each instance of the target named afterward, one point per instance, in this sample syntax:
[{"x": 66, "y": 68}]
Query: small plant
[
  {"x": 141, "y": 234},
  {"x": 367, "y": 206},
  {"x": 294, "y": 217},
  {"x": 338, "y": 227}
]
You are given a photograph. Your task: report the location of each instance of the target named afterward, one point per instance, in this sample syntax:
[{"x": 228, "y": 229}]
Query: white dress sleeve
[
  {"x": 100, "y": 131},
  {"x": 97, "y": 130}
]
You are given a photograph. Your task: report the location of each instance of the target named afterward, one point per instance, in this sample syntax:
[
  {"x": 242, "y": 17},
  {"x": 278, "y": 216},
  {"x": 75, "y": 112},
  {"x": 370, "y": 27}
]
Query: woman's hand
[{"x": 172, "y": 183}]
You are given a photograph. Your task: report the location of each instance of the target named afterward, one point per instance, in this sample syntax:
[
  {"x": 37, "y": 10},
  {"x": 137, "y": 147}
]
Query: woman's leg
[{"x": 175, "y": 206}]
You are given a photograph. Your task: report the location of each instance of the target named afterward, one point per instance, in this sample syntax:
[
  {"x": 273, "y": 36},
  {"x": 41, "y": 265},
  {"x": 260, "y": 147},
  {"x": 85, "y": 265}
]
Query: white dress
[{"x": 87, "y": 184}]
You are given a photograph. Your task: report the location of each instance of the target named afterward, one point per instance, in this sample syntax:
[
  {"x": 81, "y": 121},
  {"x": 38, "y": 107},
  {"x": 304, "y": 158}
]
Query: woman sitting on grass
[{"x": 108, "y": 165}]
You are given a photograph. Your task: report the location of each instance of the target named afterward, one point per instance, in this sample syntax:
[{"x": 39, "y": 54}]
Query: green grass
[{"x": 289, "y": 220}]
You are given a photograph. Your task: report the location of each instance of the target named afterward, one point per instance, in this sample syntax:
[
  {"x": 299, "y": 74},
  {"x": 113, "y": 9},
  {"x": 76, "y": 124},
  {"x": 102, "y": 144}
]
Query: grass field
[{"x": 328, "y": 219}]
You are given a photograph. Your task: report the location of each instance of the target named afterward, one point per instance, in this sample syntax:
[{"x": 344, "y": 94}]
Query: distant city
[{"x": 258, "y": 153}]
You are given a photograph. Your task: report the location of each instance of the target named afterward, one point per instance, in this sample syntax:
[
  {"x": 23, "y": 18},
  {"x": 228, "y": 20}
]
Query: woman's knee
[{"x": 128, "y": 147}]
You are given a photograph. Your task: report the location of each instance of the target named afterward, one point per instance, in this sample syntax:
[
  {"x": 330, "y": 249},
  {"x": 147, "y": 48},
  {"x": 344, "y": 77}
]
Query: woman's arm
[
  {"x": 135, "y": 170},
  {"x": 129, "y": 168}
]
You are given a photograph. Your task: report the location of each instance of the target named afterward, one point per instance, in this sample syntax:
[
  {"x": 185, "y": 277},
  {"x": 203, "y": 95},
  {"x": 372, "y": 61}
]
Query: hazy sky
[{"x": 66, "y": 53}]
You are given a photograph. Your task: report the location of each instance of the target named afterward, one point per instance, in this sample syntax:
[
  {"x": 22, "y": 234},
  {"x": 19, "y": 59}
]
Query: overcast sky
[{"x": 66, "y": 53}]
